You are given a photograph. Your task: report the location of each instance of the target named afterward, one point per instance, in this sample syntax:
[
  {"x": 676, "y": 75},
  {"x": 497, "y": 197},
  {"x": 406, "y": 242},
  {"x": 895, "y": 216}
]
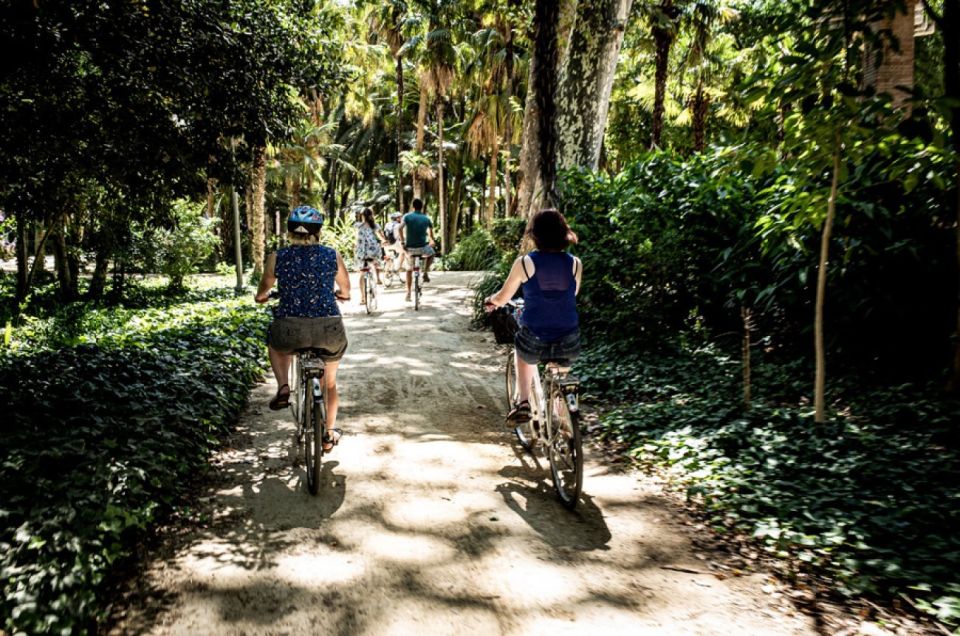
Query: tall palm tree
[{"x": 663, "y": 19}]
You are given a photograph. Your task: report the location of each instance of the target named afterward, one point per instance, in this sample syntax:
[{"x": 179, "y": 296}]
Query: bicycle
[
  {"x": 368, "y": 286},
  {"x": 309, "y": 411},
  {"x": 391, "y": 267},
  {"x": 308, "y": 403},
  {"x": 417, "y": 285},
  {"x": 554, "y": 423}
]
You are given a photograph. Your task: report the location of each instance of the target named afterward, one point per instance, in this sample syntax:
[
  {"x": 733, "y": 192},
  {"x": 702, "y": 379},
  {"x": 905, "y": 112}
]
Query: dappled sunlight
[{"x": 430, "y": 518}]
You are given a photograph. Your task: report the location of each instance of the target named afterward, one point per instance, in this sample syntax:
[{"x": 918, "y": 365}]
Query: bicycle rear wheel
[
  {"x": 416, "y": 291},
  {"x": 370, "y": 291},
  {"x": 313, "y": 441},
  {"x": 565, "y": 450}
]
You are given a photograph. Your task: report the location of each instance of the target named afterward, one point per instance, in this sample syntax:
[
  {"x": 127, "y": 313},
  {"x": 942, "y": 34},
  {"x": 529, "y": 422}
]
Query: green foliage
[
  {"x": 673, "y": 247},
  {"x": 178, "y": 250},
  {"x": 101, "y": 440},
  {"x": 870, "y": 498},
  {"x": 475, "y": 252},
  {"x": 341, "y": 236}
]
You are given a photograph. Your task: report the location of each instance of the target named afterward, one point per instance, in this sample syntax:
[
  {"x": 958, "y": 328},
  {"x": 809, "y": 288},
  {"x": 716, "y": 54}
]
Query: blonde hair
[{"x": 296, "y": 238}]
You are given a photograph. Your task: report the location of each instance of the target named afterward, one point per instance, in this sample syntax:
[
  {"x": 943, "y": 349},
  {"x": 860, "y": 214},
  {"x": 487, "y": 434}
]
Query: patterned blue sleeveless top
[
  {"x": 305, "y": 275},
  {"x": 550, "y": 297}
]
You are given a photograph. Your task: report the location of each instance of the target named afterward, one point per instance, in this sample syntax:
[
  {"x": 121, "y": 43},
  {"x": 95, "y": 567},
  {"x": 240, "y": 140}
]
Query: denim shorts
[
  {"x": 286, "y": 335},
  {"x": 533, "y": 350}
]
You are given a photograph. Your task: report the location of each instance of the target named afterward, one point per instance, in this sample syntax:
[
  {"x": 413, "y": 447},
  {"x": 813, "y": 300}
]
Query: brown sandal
[
  {"x": 520, "y": 414},
  {"x": 331, "y": 438},
  {"x": 281, "y": 400}
]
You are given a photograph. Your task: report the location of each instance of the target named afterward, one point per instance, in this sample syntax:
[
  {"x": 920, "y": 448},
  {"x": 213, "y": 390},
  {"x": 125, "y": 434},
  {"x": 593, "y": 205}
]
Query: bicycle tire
[
  {"x": 370, "y": 291},
  {"x": 565, "y": 450},
  {"x": 416, "y": 291},
  {"x": 314, "y": 441},
  {"x": 525, "y": 432},
  {"x": 511, "y": 379}
]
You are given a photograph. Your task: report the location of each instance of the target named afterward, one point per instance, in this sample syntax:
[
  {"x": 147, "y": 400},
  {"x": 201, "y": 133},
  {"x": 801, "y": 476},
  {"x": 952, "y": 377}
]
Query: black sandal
[
  {"x": 520, "y": 414},
  {"x": 331, "y": 440},
  {"x": 281, "y": 400}
]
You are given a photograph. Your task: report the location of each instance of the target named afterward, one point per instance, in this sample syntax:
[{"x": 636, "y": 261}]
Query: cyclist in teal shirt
[{"x": 416, "y": 236}]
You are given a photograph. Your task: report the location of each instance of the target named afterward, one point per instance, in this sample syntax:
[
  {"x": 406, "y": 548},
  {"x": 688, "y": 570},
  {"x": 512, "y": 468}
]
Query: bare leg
[
  {"x": 377, "y": 269},
  {"x": 409, "y": 283},
  {"x": 280, "y": 363},
  {"x": 525, "y": 373},
  {"x": 333, "y": 399}
]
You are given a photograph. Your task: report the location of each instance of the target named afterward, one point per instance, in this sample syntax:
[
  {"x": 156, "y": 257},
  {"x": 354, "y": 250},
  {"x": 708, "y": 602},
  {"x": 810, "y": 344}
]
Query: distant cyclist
[
  {"x": 416, "y": 236},
  {"x": 312, "y": 278},
  {"x": 391, "y": 235},
  {"x": 549, "y": 324},
  {"x": 368, "y": 243}
]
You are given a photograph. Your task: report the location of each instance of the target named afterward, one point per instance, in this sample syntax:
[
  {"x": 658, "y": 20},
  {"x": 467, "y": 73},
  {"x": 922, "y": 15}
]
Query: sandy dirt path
[{"x": 431, "y": 519}]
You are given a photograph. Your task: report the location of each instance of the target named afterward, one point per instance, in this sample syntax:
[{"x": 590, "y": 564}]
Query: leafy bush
[
  {"x": 100, "y": 440},
  {"x": 671, "y": 245},
  {"x": 869, "y": 498},
  {"x": 475, "y": 252},
  {"x": 178, "y": 250}
]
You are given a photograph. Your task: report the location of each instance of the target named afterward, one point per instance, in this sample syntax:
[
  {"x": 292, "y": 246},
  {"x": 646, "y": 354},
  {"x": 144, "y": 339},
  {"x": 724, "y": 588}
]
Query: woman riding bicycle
[
  {"x": 369, "y": 237},
  {"x": 549, "y": 324},
  {"x": 312, "y": 279}
]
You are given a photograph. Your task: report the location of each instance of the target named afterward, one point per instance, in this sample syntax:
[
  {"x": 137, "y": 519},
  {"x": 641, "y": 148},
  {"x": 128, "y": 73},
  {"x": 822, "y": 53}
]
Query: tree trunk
[
  {"x": 399, "y": 133},
  {"x": 256, "y": 217},
  {"x": 23, "y": 278},
  {"x": 508, "y": 124},
  {"x": 491, "y": 207},
  {"x": 546, "y": 54},
  {"x": 747, "y": 318},
  {"x": 529, "y": 188},
  {"x": 819, "y": 387},
  {"x": 698, "y": 108},
  {"x": 586, "y": 81},
  {"x": 62, "y": 264},
  {"x": 455, "y": 209},
  {"x": 663, "y": 36},
  {"x": 98, "y": 282},
  {"x": 211, "y": 198},
  {"x": 950, "y": 28},
  {"x": 421, "y": 128},
  {"x": 441, "y": 202}
]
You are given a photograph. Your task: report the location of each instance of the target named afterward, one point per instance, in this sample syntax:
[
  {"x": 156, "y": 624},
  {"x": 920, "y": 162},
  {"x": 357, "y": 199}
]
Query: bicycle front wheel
[
  {"x": 565, "y": 450},
  {"x": 314, "y": 437},
  {"x": 511, "y": 379}
]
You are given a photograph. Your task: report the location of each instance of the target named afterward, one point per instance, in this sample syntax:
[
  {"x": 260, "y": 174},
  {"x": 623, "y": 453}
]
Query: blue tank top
[
  {"x": 550, "y": 297},
  {"x": 305, "y": 275}
]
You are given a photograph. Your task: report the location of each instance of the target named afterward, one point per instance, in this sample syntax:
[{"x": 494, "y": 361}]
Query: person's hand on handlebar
[
  {"x": 262, "y": 298},
  {"x": 341, "y": 299},
  {"x": 488, "y": 305}
]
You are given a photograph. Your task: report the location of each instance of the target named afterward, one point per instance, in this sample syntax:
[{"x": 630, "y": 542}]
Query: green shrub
[
  {"x": 475, "y": 252},
  {"x": 178, "y": 250},
  {"x": 100, "y": 440}
]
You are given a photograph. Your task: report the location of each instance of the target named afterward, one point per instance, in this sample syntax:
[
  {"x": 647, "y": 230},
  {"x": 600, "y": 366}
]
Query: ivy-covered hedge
[
  {"x": 871, "y": 498},
  {"x": 100, "y": 439}
]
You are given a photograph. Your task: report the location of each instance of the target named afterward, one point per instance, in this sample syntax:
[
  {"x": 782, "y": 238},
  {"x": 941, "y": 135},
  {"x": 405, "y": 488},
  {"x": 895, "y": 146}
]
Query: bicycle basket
[{"x": 505, "y": 326}]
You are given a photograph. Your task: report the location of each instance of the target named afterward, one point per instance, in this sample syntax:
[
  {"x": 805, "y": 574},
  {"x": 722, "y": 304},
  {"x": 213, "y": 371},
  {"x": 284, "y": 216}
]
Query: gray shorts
[{"x": 286, "y": 335}]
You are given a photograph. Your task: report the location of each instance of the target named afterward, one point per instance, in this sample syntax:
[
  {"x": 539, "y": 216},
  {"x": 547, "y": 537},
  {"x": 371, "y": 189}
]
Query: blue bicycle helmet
[{"x": 305, "y": 220}]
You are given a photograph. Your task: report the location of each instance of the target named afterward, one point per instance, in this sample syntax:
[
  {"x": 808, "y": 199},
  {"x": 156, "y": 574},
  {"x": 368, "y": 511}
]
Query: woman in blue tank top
[
  {"x": 549, "y": 324},
  {"x": 312, "y": 278}
]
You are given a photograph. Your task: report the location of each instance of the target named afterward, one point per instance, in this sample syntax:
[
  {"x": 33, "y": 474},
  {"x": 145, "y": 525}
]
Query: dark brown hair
[
  {"x": 368, "y": 217},
  {"x": 550, "y": 232}
]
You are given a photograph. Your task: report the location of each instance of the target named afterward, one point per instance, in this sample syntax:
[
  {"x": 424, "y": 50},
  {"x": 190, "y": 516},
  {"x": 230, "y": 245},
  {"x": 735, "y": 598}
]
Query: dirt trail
[{"x": 431, "y": 520}]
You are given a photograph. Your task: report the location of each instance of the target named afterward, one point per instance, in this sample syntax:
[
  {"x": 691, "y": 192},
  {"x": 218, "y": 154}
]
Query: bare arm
[
  {"x": 268, "y": 279},
  {"x": 403, "y": 240},
  {"x": 515, "y": 278},
  {"x": 577, "y": 272},
  {"x": 342, "y": 279}
]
